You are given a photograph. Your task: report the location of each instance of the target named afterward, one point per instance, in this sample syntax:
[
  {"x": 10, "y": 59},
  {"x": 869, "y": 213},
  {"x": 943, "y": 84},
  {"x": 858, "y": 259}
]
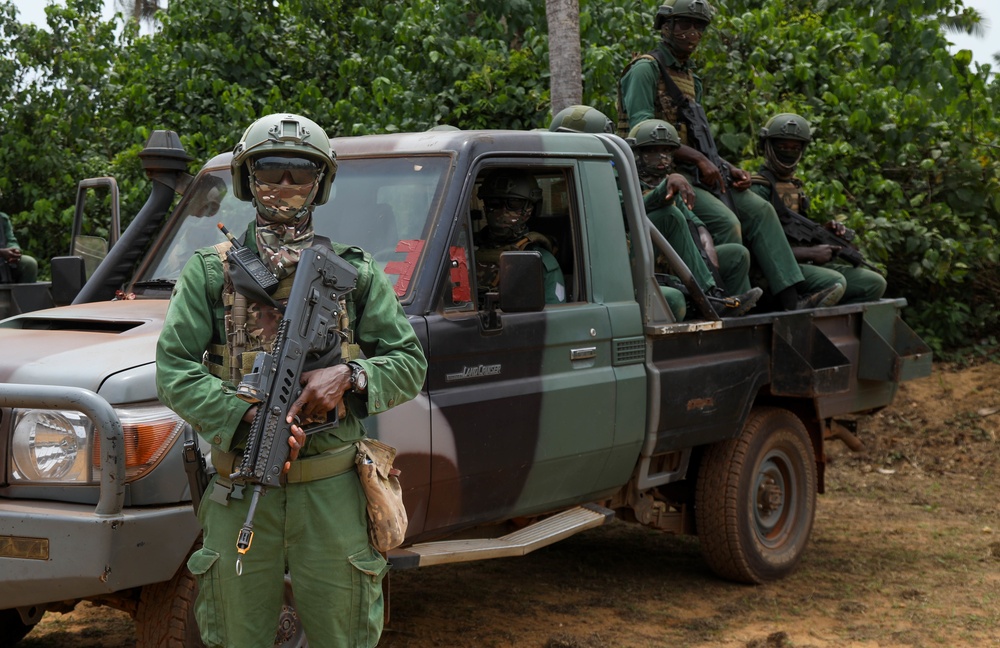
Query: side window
[{"x": 517, "y": 208}]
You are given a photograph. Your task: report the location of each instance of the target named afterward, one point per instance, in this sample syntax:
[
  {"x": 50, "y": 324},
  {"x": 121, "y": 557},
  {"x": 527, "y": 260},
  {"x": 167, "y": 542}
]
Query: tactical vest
[
  {"x": 783, "y": 192},
  {"x": 488, "y": 258},
  {"x": 252, "y": 327},
  {"x": 663, "y": 107}
]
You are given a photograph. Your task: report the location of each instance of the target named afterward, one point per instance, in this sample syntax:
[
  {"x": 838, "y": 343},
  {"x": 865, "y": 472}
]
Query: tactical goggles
[
  {"x": 272, "y": 169},
  {"x": 653, "y": 154},
  {"x": 687, "y": 24},
  {"x": 500, "y": 202}
]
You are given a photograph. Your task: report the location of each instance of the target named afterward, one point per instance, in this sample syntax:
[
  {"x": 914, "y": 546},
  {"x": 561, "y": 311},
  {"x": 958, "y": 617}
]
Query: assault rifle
[
  {"x": 309, "y": 329},
  {"x": 805, "y": 231},
  {"x": 699, "y": 132}
]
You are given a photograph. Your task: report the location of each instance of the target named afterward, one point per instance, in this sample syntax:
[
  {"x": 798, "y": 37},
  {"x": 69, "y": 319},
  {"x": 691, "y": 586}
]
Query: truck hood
[{"x": 81, "y": 345}]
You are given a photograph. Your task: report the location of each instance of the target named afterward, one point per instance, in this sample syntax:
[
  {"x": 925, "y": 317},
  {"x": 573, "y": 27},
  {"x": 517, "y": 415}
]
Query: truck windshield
[{"x": 384, "y": 205}]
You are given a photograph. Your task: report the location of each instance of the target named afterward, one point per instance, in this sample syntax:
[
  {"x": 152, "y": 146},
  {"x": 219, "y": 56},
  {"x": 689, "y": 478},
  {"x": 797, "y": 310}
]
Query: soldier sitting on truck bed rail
[
  {"x": 783, "y": 139},
  {"x": 669, "y": 218},
  {"x": 510, "y": 198},
  {"x": 653, "y": 142}
]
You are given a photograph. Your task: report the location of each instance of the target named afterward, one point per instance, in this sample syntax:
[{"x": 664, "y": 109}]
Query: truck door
[{"x": 523, "y": 412}]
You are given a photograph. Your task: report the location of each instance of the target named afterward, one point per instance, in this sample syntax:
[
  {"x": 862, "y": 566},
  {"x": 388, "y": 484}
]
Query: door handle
[{"x": 585, "y": 353}]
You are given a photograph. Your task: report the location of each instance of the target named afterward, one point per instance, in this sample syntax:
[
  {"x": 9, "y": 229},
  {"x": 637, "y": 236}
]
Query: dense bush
[{"x": 906, "y": 150}]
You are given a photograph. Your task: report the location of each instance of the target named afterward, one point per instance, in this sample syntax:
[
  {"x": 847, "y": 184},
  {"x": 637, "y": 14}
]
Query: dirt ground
[{"x": 905, "y": 552}]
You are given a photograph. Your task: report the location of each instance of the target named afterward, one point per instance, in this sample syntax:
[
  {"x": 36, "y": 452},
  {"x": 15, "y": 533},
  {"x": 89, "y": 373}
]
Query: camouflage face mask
[
  {"x": 284, "y": 203},
  {"x": 506, "y": 224},
  {"x": 282, "y": 244}
]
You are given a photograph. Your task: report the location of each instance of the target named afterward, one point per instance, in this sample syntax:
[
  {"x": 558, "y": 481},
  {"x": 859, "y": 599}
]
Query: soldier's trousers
[
  {"x": 757, "y": 227},
  {"x": 318, "y": 529},
  {"x": 862, "y": 284},
  {"x": 734, "y": 260}
]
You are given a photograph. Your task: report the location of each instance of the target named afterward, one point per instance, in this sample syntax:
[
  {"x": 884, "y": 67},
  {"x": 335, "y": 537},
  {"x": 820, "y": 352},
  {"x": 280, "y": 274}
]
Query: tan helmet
[{"x": 288, "y": 135}]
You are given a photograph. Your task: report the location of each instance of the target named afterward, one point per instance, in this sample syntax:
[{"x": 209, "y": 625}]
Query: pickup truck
[{"x": 536, "y": 420}]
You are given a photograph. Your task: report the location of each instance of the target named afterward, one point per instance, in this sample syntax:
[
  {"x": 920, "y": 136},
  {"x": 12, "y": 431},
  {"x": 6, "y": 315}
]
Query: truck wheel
[
  {"x": 756, "y": 498},
  {"x": 12, "y": 629},
  {"x": 165, "y": 616}
]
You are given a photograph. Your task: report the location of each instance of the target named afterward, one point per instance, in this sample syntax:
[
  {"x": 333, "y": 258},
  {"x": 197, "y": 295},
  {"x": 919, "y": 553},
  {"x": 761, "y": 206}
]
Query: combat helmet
[
  {"x": 784, "y": 126},
  {"x": 283, "y": 134},
  {"x": 787, "y": 126},
  {"x": 694, "y": 9},
  {"x": 581, "y": 119},
  {"x": 510, "y": 197},
  {"x": 653, "y": 132}
]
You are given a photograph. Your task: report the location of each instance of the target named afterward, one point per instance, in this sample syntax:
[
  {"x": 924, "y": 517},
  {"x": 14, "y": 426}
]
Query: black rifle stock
[{"x": 310, "y": 325}]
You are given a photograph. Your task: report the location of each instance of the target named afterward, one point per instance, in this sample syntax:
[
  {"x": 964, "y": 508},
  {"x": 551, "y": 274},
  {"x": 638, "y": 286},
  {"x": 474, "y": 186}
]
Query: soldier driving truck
[{"x": 534, "y": 420}]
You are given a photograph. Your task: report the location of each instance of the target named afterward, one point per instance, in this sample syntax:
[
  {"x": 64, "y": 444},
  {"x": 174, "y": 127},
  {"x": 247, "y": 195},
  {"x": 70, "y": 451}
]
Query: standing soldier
[
  {"x": 316, "y": 526},
  {"x": 784, "y": 139},
  {"x": 662, "y": 85}
]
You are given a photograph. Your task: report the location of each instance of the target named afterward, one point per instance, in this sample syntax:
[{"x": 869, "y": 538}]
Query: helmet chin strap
[{"x": 782, "y": 169}]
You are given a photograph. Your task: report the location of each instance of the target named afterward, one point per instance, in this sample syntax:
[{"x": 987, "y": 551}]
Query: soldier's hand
[
  {"x": 836, "y": 227},
  {"x": 295, "y": 442},
  {"x": 322, "y": 391},
  {"x": 820, "y": 254},
  {"x": 741, "y": 179},
  {"x": 677, "y": 185},
  {"x": 710, "y": 174}
]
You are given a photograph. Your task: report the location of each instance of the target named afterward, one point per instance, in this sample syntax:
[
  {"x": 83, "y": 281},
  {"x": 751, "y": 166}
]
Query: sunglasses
[
  {"x": 514, "y": 204},
  {"x": 272, "y": 170}
]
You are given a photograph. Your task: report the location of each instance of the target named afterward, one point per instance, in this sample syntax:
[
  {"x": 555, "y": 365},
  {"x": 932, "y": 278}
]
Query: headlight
[
  {"x": 51, "y": 445},
  {"x": 60, "y": 446}
]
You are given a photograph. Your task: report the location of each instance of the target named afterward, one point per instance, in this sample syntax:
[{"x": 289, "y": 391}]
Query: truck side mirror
[
  {"x": 68, "y": 277},
  {"x": 522, "y": 284}
]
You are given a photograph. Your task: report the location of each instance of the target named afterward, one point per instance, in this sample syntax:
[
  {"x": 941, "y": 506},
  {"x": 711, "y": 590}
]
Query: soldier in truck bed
[
  {"x": 653, "y": 142},
  {"x": 783, "y": 139},
  {"x": 662, "y": 85},
  {"x": 661, "y": 191}
]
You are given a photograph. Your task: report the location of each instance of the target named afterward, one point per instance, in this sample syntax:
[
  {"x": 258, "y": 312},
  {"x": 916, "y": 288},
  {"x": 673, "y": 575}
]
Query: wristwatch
[{"x": 359, "y": 379}]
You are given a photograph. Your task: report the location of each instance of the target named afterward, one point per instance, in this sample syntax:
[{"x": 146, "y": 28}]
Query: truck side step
[{"x": 518, "y": 543}]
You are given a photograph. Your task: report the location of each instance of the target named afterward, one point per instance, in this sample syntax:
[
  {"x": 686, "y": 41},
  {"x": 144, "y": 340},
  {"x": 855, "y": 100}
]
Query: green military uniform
[
  {"x": 755, "y": 225},
  {"x": 317, "y": 528},
  {"x": 672, "y": 219},
  {"x": 25, "y": 269},
  {"x": 862, "y": 284},
  {"x": 488, "y": 264}
]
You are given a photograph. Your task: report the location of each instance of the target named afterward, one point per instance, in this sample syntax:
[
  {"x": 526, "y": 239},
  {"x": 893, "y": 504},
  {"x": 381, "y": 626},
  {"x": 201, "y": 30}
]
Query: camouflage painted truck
[{"x": 536, "y": 421}]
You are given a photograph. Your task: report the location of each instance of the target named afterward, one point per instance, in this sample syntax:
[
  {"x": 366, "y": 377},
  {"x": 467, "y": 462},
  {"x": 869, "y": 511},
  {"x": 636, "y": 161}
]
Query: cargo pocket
[
  {"x": 366, "y": 611},
  {"x": 209, "y": 611}
]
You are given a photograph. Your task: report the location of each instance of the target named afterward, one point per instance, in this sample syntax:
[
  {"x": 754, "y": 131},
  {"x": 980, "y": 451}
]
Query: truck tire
[
  {"x": 12, "y": 629},
  {"x": 165, "y": 616},
  {"x": 756, "y": 498}
]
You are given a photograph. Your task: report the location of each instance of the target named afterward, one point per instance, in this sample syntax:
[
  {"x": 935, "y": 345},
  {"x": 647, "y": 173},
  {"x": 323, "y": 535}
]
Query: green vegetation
[{"x": 907, "y": 150}]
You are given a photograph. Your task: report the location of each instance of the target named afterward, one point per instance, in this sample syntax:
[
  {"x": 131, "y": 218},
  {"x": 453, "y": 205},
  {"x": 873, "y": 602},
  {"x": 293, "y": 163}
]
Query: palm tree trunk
[{"x": 565, "y": 71}]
